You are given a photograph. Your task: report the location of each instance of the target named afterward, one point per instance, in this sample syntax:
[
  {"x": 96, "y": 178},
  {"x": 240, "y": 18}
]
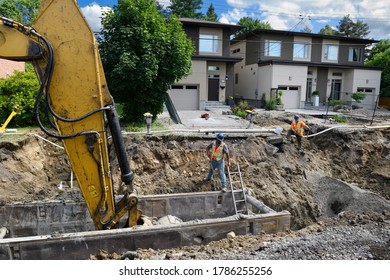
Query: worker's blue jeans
[
  {"x": 220, "y": 165},
  {"x": 299, "y": 138}
]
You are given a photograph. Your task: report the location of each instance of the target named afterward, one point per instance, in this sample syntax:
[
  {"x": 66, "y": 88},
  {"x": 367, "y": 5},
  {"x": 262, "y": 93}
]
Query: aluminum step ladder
[{"x": 238, "y": 193}]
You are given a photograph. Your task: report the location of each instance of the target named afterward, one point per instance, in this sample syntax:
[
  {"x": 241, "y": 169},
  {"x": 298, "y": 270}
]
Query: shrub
[
  {"x": 270, "y": 104},
  {"x": 279, "y": 98},
  {"x": 19, "y": 91},
  {"x": 340, "y": 119},
  {"x": 358, "y": 96},
  {"x": 240, "y": 108},
  {"x": 335, "y": 102}
]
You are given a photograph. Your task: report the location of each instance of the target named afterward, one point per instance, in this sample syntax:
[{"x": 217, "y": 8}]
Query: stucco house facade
[
  {"x": 7, "y": 67},
  {"x": 298, "y": 64},
  {"x": 211, "y": 78}
]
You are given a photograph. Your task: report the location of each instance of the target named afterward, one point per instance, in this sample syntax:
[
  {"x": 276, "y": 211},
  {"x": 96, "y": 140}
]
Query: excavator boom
[{"x": 65, "y": 55}]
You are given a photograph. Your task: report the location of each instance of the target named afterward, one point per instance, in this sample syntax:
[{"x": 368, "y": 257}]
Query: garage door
[
  {"x": 290, "y": 97},
  {"x": 185, "y": 97}
]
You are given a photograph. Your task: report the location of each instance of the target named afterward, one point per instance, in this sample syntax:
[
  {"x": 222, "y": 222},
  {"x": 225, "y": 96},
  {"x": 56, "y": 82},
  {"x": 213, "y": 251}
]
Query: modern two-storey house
[
  {"x": 212, "y": 73},
  {"x": 298, "y": 64}
]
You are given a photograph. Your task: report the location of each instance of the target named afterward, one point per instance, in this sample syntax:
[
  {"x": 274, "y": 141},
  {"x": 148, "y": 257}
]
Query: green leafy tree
[
  {"x": 187, "y": 8},
  {"x": 142, "y": 54},
  {"x": 382, "y": 59},
  {"x": 348, "y": 28},
  {"x": 19, "y": 91},
  {"x": 379, "y": 47},
  {"x": 251, "y": 24},
  {"x": 327, "y": 30},
  {"x": 8, "y": 9},
  {"x": 23, "y": 11},
  {"x": 211, "y": 15}
]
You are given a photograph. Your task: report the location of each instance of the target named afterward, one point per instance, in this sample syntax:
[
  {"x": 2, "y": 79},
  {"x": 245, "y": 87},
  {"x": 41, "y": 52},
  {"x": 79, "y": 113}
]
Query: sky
[{"x": 289, "y": 15}]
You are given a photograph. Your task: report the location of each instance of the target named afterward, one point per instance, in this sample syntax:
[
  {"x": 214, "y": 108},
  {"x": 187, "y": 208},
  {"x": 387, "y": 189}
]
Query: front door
[
  {"x": 213, "y": 89},
  {"x": 336, "y": 89}
]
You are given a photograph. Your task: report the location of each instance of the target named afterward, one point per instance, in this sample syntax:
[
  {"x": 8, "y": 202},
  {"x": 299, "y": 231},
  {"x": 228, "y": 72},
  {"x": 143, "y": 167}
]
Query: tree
[
  {"x": 307, "y": 29},
  {"x": 348, "y": 28},
  {"x": 186, "y": 8},
  {"x": 23, "y": 11},
  {"x": 142, "y": 54},
  {"x": 327, "y": 30},
  {"x": 379, "y": 47},
  {"x": 382, "y": 59},
  {"x": 211, "y": 15},
  {"x": 251, "y": 24},
  {"x": 19, "y": 91},
  {"x": 8, "y": 9}
]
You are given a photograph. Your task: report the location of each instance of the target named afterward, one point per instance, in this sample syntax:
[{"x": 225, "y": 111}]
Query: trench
[{"x": 337, "y": 173}]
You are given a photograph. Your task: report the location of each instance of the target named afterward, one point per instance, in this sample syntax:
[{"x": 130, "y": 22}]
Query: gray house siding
[
  {"x": 226, "y": 42},
  {"x": 253, "y": 51},
  {"x": 193, "y": 33},
  {"x": 316, "y": 50},
  {"x": 322, "y": 80},
  {"x": 344, "y": 53}
]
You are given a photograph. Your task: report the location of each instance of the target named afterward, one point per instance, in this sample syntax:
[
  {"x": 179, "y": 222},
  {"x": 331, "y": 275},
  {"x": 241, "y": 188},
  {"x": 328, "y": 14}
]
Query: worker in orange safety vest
[
  {"x": 297, "y": 128},
  {"x": 216, "y": 151}
]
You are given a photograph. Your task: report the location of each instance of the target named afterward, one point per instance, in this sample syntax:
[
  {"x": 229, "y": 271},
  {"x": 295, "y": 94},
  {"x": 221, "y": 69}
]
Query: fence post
[{"x": 376, "y": 105}]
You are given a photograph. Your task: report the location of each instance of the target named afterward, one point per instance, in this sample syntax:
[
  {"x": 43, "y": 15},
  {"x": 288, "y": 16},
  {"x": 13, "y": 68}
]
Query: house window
[
  {"x": 208, "y": 43},
  {"x": 301, "y": 50},
  {"x": 213, "y": 68},
  {"x": 236, "y": 78},
  {"x": 355, "y": 55},
  {"x": 331, "y": 52},
  {"x": 272, "y": 48}
]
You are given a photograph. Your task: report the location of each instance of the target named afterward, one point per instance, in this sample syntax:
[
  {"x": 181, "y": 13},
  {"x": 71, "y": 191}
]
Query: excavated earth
[{"x": 338, "y": 191}]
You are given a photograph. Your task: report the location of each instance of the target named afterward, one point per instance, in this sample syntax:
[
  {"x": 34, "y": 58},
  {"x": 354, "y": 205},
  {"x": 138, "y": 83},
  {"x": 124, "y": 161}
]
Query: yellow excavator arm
[{"x": 65, "y": 55}]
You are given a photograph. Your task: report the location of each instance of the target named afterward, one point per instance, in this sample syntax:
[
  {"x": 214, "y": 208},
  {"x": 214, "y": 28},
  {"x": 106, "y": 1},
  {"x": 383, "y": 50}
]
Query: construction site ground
[{"x": 337, "y": 191}]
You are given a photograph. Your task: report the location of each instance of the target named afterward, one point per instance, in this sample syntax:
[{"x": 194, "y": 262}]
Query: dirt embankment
[{"x": 282, "y": 178}]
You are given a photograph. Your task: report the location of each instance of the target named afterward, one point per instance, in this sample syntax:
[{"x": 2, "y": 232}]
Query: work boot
[{"x": 206, "y": 180}]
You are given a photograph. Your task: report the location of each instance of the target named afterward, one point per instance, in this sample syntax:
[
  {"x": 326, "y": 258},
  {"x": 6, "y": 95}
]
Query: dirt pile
[{"x": 324, "y": 182}]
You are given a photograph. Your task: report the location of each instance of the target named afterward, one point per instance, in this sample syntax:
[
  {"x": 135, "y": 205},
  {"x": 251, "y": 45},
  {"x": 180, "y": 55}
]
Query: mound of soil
[{"x": 341, "y": 171}]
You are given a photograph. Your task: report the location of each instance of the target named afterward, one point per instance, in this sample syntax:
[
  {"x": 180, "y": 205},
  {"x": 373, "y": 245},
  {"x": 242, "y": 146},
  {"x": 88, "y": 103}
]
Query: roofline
[
  {"x": 212, "y": 24},
  {"x": 217, "y": 58},
  {"x": 294, "y": 33},
  {"x": 317, "y": 64}
]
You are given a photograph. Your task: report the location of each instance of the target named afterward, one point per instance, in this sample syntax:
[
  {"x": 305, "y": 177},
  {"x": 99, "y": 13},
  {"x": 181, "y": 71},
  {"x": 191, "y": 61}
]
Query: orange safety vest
[
  {"x": 217, "y": 151},
  {"x": 298, "y": 127}
]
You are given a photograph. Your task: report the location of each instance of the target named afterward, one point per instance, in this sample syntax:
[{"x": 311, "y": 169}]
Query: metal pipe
[
  {"x": 211, "y": 130},
  {"x": 348, "y": 127},
  {"x": 259, "y": 205}
]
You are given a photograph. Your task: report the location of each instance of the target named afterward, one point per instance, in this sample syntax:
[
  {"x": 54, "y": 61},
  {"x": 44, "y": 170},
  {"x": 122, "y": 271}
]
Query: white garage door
[
  {"x": 290, "y": 97},
  {"x": 185, "y": 97},
  {"x": 370, "y": 100}
]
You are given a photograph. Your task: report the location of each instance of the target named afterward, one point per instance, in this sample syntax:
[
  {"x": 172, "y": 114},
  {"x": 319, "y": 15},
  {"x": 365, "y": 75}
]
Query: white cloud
[
  {"x": 285, "y": 15},
  {"x": 93, "y": 14}
]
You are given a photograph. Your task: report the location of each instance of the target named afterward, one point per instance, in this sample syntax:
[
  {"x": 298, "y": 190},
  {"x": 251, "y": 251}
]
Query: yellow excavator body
[{"x": 65, "y": 55}]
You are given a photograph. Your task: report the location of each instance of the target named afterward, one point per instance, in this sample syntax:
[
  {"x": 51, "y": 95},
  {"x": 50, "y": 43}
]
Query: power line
[{"x": 313, "y": 15}]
